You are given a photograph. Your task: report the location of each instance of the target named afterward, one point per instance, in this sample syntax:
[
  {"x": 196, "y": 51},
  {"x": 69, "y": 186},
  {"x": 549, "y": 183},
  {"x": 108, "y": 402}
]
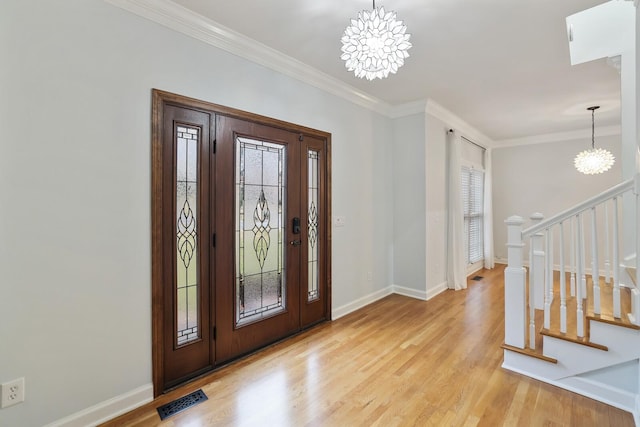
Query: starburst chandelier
[
  {"x": 595, "y": 160},
  {"x": 375, "y": 44}
]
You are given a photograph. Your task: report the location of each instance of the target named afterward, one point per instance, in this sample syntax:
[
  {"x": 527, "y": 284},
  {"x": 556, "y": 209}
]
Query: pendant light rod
[
  {"x": 595, "y": 160},
  {"x": 593, "y": 125}
]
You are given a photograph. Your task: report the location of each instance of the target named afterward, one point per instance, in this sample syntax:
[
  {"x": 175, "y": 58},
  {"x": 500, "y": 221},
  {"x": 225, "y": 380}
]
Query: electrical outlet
[{"x": 12, "y": 392}]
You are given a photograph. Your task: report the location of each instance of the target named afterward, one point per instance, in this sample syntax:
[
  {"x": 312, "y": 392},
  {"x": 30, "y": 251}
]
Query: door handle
[{"x": 295, "y": 242}]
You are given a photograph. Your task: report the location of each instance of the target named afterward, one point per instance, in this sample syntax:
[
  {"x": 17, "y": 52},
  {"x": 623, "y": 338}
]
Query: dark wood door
[
  {"x": 258, "y": 254},
  {"x": 186, "y": 308},
  {"x": 313, "y": 177},
  {"x": 240, "y": 238}
]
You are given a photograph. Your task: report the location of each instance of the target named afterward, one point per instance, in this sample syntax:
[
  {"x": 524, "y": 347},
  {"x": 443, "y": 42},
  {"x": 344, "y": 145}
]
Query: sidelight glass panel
[
  {"x": 260, "y": 221},
  {"x": 187, "y": 282},
  {"x": 312, "y": 219}
]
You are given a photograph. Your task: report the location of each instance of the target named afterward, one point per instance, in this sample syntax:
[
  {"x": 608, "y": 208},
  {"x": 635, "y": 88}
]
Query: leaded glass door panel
[
  {"x": 313, "y": 297},
  {"x": 185, "y": 225},
  {"x": 240, "y": 234},
  {"x": 258, "y": 297}
]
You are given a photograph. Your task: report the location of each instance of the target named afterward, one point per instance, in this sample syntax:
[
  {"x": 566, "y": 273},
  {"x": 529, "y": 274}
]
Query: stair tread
[
  {"x": 613, "y": 321},
  {"x": 528, "y": 352},
  {"x": 606, "y": 315},
  {"x": 574, "y": 339}
]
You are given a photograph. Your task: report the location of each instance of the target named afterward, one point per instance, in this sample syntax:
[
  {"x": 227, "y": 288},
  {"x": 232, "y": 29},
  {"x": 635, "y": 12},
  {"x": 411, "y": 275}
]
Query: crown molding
[
  {"x": 408, "y": 109},
  {"x": 455, "y": 122},
  {"x": 431, "y": 107},
  {"x": 558, "y": 137},
  {"x": 185, "y": 21}
]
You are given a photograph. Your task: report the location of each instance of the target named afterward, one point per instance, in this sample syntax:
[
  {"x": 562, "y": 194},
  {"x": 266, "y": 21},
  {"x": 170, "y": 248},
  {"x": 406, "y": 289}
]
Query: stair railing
[{"x": 521, "y": 303}]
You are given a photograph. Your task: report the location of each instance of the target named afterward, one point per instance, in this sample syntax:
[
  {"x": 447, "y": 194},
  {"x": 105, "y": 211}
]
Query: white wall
[
  {"x": 436, "y": 171},
  {"x": 420, "y": 200},
  {"x": 409, "y": 192},
  {"x": 75, "y": 238},
  {"x": 542, "y": 178}
]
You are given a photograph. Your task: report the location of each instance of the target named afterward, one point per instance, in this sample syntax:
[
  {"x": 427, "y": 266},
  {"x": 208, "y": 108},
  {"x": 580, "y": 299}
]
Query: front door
[{"x": 240, "y": 234}]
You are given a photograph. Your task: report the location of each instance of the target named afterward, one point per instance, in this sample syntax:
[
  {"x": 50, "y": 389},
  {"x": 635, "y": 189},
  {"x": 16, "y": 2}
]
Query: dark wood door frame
[{"x": 161, "y": 99}]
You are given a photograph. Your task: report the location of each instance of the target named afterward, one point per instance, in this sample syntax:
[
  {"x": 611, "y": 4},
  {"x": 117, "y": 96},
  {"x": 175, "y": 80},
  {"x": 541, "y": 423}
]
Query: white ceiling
[{"x": 501, "y": 65}]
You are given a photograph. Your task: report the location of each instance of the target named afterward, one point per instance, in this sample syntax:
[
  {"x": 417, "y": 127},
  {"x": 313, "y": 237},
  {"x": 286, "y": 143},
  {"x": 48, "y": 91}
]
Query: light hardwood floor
[{"x": 397, "y": 362}]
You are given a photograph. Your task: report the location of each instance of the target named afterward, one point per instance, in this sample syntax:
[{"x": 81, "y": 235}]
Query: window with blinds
[{"x": 472, "y": 183}]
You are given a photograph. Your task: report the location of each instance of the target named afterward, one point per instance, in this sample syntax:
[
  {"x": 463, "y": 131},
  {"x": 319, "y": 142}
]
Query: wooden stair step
[
  {"x": 604, "y": 318},
  {"x": 574, "y": 339},
  {"x": 528, "y": 352}
]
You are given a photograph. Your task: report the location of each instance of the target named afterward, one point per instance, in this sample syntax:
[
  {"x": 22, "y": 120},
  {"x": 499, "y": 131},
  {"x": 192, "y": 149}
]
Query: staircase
[{"x": 572, "y": 307}]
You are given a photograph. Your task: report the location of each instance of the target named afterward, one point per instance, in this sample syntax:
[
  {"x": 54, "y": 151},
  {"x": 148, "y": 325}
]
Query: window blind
[{"x": 472, "y": 183}]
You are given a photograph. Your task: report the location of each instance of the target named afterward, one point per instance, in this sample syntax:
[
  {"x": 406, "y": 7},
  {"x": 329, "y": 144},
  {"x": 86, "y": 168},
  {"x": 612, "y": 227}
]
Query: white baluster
[
  {"x": 595, "y": 272},
  {"x": 580, "y": 289},
  {"x": 616, "y": 263},
  {"x": 537, "y": 247},
  {"x": 532, "y": 308},
  {"x": 607, "y": 264},
  {"x": 548, "y": 283},
  {"x": 563, "y": 285},
  {"x": 635, "y": 293},
  {"x": 583, "y": 274},
  {"x": 515, "y": 308},
  {"x": 551, "y": 265},
  {"x": 573, "y": 258}
]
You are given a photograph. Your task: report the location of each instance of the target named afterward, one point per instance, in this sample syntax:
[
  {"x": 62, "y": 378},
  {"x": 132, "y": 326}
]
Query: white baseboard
[
  {"x": 437, "y": 290},
  {"x": 339, "y": 312},
  {"x": 108, "y": 409},
  {"x": 409, "y": 292},
  {"x": 597, "y": 391},
  {"x": 393, "y": 289}
]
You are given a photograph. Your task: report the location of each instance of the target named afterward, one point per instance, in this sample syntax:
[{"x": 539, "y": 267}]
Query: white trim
[
  {"x": 393, "y": 289},
  {"x": 185, "y": 21},
  {"x": 472, "y": 165},
  {"x": 437, "y": 290},
  {"x": 455, "y": 122},
  {"x": 409, "y": 292},
  {"x": 626, "y": 400},
  {"x": 107, "y": 410},
  {"x": 339, "y": 312},
  {"x": 556, "y": 137},
  {"x": 475, "y": 267},
  {"x": 409, "y": 109}
]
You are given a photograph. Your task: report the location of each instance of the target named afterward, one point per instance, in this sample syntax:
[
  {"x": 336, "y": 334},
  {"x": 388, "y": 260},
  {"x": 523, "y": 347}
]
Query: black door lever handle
[{"x": 295, "y": 242}]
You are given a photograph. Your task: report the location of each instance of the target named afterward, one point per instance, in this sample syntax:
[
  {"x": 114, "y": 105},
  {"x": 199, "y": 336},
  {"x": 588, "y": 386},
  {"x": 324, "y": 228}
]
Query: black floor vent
[
  {"x": 477, "y": 278},
  {"x": 179, "y": 405}
]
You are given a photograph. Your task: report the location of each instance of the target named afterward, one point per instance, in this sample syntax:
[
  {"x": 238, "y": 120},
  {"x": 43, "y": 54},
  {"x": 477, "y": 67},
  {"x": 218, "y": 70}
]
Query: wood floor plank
[{"x": 396, "y": 362}]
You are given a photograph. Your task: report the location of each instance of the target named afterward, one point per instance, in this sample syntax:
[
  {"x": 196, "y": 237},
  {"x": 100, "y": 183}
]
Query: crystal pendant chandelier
[
  {"x": 375, "y": 44},
  {"x": 595, "y": 160}
]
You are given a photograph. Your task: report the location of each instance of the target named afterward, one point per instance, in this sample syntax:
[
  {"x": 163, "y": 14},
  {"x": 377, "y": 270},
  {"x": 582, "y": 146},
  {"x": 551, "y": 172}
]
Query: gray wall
[
  {"x": 409, "y": 200},
  {"x": 75, "y": 194},
  {"x": 542, "y": 178}
]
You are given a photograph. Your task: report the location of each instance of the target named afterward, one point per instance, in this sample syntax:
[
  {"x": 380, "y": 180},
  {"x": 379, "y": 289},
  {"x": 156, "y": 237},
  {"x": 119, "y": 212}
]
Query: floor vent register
[{"x": 179, "y": 405}]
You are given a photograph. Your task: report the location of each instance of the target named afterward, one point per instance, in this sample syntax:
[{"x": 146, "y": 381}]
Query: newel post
[{"x": 514, "y": 286}]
